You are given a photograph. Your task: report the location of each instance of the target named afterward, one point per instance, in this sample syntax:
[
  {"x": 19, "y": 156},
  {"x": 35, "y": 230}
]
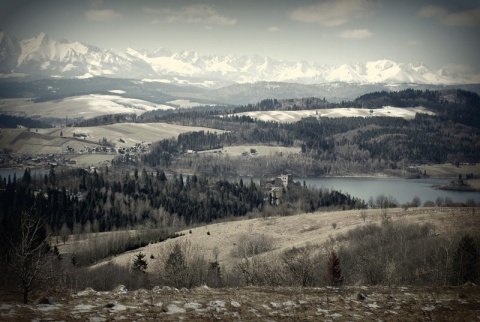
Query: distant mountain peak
[{"x": 41, "y": 56}]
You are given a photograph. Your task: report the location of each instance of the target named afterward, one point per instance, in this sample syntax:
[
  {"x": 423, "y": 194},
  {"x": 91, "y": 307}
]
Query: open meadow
[
  {"x": 294, "y": 116},
  {"x": 253, "y": 150}
]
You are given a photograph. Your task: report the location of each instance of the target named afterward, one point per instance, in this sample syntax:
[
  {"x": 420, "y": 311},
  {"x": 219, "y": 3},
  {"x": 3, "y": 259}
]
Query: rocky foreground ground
[{"x": 256, "y": 304}]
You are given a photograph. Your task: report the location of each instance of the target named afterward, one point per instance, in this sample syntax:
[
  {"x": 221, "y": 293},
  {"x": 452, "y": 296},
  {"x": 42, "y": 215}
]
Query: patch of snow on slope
[
  {"x": 83, "y": 106},
  {"x": 185, "y": 103},
  {"x": 294, "y": 116},
  {"x": 85, "y": 76}
]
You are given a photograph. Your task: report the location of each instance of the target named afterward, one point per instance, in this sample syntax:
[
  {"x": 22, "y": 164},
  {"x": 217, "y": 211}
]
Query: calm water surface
[{"x": 402, "y": 189}]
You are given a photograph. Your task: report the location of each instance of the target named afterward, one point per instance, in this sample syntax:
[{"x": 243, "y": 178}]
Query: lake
[{"x": 403, "y": 190}]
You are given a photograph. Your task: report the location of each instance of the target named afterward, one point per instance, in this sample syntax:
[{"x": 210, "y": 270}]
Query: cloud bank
[
  {"x": 355, "y": 34},
  {"x": 332, "y": 13},
  {"x": 466, "y": 18},
  {"x": 194, "y": 14},
  {"x": 102, "y": 15}
]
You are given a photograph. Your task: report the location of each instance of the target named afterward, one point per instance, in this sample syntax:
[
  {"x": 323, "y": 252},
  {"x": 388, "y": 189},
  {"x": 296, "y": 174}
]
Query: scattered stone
[
  {"x": 43, "y": 300},
  {"x": 428, "y": 307},
  {"x": 193, "y": 305},
  {"x": 174, "y": 309},
  {"x": 120, "y": 289},
  {"x": 87, "y": 291},
  {"x": 235, "y": 304}
]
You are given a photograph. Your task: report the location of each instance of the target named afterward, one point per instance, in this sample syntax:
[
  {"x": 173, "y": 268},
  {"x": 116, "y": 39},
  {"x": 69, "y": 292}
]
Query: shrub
[{"x": 251, "y": 245}]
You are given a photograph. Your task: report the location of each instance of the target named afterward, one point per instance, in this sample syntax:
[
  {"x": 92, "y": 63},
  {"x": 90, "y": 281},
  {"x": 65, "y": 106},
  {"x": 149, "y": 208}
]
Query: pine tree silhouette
[
  {"x": 333, "y": 275},
  {"x": 465, "y": 262},
  {"x": 139, "y": 263}
]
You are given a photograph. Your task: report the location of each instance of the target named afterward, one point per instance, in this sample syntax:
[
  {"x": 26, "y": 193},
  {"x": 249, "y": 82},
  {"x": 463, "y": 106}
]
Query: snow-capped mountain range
[{"x": 42, "y": 56}]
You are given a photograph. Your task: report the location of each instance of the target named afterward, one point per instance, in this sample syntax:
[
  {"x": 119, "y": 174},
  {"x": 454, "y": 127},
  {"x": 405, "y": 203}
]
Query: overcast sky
[{"x": 436, "y": 32}]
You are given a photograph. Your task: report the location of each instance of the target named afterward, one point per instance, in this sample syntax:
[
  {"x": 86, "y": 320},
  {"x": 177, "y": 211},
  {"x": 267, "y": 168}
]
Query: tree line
[
  {"x": 79, "y": 201},
  {"x": 12, "y": 121}
]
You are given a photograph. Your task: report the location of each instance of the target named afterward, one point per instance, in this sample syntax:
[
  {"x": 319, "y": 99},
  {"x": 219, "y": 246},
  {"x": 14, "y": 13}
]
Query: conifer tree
[
  {"x": 176, "y": 267},
  {"x": 140, "y": 263},
  {"x": 465, "y": 262},
  {"x": 333, "y": 274}
]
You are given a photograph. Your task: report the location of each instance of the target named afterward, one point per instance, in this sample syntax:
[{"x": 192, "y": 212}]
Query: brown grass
[
  {"x": 449, "y": 170},
  {"x": 300, "y": 230}
]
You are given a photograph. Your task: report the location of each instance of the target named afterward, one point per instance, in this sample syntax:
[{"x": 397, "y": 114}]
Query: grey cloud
[
  {"x": 196, "y": 13},
  {"x": 102, "y": 15},
  {"x": 466, "y": 18},
  {"x": 333, "y": 12},
  {"x": 355, "y": 34}
]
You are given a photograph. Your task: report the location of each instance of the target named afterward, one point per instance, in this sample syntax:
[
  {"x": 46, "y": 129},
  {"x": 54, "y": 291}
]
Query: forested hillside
[
  {"x": 11, "y": 121},
  {"x": 79, "y": 201},
  {"x": 333, "y": 146}
]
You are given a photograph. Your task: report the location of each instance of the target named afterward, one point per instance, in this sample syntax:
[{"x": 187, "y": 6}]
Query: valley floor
[{"x": 357, "y": 303}]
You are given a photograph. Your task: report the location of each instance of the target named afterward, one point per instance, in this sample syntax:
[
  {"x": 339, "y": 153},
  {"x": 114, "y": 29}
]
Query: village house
[{"x": 274, "y": 187}]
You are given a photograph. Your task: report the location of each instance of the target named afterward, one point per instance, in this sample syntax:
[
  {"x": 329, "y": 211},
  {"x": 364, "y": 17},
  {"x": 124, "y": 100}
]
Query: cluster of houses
[
  {"x": 137, "y": 148},
  {"x": 274, "y": 187},
  {"x": 24, "y": 159}
]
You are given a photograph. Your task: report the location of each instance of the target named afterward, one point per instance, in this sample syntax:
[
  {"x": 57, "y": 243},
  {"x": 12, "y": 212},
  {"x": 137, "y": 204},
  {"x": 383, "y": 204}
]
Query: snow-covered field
[
  {"x": 185, "y": 103},
  {"x": 86, "y": 106},
  {"x": 294, "y": 116}
]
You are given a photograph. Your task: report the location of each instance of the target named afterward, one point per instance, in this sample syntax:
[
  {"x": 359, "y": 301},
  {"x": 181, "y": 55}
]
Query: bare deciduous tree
[
  {"x": 252, "y": 244},
  {"x": 300, "y": 263},
  {"x": 363, "y": 215},
  {"x": 384, "y": 202},
  {"x": 184, "y": 266},
  {"x": 29, "y": 258}
]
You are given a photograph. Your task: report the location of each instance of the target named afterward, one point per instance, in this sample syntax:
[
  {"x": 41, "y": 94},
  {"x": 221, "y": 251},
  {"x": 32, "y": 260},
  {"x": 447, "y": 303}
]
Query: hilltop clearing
[
  {"x": 449, "y": 170},
  {"x": 76, "y": 107},
  {"x": 294, "y": 116}
]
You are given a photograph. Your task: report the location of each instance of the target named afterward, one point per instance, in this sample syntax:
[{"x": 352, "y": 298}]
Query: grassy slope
[
  {"x": 298, "y": 230},
  {"x": 47, "y": 141}
]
